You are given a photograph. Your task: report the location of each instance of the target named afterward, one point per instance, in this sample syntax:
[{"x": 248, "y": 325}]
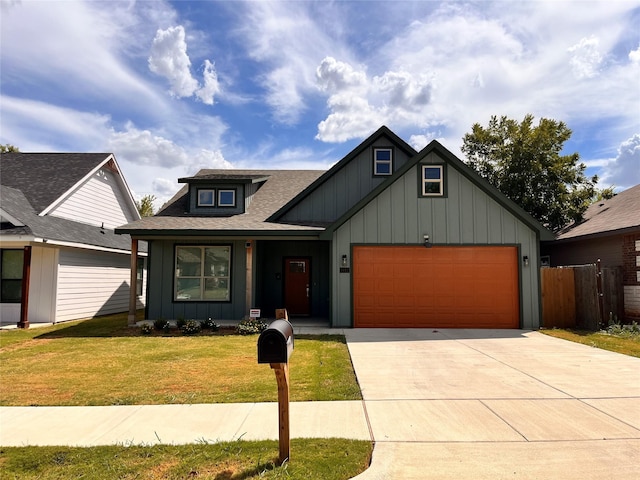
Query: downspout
[
  {"x": 26, "y": 275},
  {"x": 132, "y": 282},
  {"x": 249, "y": 277}
]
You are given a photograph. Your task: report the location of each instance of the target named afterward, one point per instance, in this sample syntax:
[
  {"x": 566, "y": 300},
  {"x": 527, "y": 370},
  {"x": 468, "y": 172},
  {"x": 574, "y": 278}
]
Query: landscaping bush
[
  {"x": 161, "y": 324},
  {"x": 210, "y": 324},
  {"x": 146, "y": 329},
  {"x": 251, "y": 326},
  {"x": 191, "y": 327},
  {"x": 180, "y": 322}
]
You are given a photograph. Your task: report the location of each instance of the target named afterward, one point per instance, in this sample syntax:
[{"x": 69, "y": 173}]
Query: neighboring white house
[{"x": 59, "y": 257}]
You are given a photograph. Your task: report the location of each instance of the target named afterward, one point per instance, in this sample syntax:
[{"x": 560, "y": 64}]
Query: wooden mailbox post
[{"x": 275, "y": 345}]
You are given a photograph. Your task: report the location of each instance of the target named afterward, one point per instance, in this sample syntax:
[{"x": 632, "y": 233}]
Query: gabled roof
[
  {"x": 381, "y": 132},
  {"x": 452, "y": 160},
  {"x": 616, "y": 215},
  {"x": 278, "y": 188},
  {"x": 45, "y": 177},
  {"x": 32, "y": 184}
]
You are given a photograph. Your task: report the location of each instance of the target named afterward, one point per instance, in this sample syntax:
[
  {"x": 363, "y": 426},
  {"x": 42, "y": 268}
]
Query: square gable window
[
  {"x": 206, "y": 198},
  {"x": 432, "y": 180},
  {"x": 226, "y": 198},
  {"x": 382, "y": 161}
]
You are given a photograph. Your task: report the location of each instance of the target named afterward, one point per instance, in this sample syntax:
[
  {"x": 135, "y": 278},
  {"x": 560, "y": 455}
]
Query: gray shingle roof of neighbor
[
  {"x": 44, "y": 177},
  {"x": 31, "y": 182},
  {"x": 15, "y": 203},
  {"x": 278, "y": 188},
  {"x": 615, "y": 215}
]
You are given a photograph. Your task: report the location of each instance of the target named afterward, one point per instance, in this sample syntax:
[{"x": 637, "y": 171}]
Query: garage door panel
[{"x": 446, "y": 287}]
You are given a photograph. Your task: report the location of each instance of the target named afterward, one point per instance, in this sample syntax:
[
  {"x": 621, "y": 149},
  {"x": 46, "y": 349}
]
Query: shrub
[
  {"x": 210, "y": 324},
  {"x": 191, "y": 327},
  {"x": 161, "y": 324},
  {"x": 180, "y": 322},
  {"x": 146, "y": 329},
  {"x": 251, "y": 326}
]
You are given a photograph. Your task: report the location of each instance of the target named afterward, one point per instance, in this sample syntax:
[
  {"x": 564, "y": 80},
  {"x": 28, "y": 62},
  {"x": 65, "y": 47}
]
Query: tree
[
  {"x": 524, "y": 162},
  {"x": 8, "y": 148},
  {"x": 604, "y": 193},
  {"x": 145, "y": 205}
]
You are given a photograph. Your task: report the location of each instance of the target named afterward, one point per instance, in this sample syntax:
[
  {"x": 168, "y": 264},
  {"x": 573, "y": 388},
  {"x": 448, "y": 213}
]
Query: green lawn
[
  {"x": 318, "y": 459},
  {"x": 626, "y": 344},
  {"x": 104, "y": 362}
]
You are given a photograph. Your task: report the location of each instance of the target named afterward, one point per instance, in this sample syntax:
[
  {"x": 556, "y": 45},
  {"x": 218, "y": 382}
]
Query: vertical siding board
[
  {"x": 454, "y": 194},
  {"x": 398, "y": 231},
  {"x": 411, "y": 220},
  {"x": 480, "y": 220},
  {"x": 494, "y": 221}
]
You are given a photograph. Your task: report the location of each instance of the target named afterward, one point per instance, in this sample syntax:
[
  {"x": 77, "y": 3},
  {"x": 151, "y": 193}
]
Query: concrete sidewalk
[{"x": 176, "y": 424}]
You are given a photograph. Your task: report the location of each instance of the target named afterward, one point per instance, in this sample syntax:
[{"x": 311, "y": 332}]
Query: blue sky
[{"x": 172, "y": 87}]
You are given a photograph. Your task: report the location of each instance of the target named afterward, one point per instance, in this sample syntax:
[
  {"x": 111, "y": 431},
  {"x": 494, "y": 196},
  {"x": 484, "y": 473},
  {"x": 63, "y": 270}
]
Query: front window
[
  {"x": 203, "y": 273},
  {"x": 206, "y": 198},
  {"x": 382, "y": 161},
  {"x": 11, "y": 264},
  {"x": 432, "y": 181},
  {"x": 139, "y": 275},
  {"x": 226, "y": 198}
]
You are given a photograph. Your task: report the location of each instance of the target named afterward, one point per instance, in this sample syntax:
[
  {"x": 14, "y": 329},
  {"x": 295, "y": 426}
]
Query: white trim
[
  {"x": 377, "y": 162},
  {"x": 213, "y": 197},
  {"x": 228, "y": 190},
  {"x": 424, "y": 181},
  {"x": 10, "y": 218}
]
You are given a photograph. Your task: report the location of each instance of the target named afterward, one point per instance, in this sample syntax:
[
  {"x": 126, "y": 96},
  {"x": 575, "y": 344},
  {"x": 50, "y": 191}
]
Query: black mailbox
[{"x": 275, "y": 344}]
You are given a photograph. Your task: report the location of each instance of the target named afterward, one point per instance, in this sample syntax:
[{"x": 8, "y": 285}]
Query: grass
[
  {"x": 104, "y": 362},
  {"x": 625, "y": 344},
  {"x": 319, "y": 459}
]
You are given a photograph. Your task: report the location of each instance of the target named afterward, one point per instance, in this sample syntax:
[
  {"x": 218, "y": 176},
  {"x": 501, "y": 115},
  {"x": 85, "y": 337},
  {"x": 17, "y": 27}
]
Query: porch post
[
  {"x": 26, "y": 276},
  {"x": 249, "y": 276},
  {"x": 133, "y": 282}
]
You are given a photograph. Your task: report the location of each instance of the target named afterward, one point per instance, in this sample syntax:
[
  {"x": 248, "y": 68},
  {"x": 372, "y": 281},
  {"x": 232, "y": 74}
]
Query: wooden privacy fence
[{"x": 578, "y": 296}]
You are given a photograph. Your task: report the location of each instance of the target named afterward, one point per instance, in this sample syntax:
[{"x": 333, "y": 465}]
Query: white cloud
[
  {"x": 359, "y": 105},
  {"x": 164, "y": 188},
  {"x": 169, "y": 59},
  {"x": 586, "y": 58},
  {"x": 211, "y": 86},
  {"x": 144, "y": 148},
  {"x": 634, "y": 56},
  {"x": 289, "y": 40},
  {"x": 624, "y": 170}
]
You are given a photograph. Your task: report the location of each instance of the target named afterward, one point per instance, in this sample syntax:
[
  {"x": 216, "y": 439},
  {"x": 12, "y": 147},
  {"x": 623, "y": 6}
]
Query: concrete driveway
[{"x": 491, "y": 404}]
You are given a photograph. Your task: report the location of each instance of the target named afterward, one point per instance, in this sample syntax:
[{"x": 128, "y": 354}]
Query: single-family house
[
  {"x": 60, "y": 258},
  {"x": 609, "y": 232},
  {"x": 388, "y": 237}
]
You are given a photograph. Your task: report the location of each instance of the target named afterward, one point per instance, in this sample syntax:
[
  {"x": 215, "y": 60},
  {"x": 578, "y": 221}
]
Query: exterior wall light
[
  {"x": 525, "y": 260},
  {"x": 426, "y": 241},
  {"x": 345, "y": 261}
]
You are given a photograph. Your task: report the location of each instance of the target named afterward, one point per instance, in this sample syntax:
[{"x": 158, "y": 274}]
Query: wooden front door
[{"x": 296, "y": 286}]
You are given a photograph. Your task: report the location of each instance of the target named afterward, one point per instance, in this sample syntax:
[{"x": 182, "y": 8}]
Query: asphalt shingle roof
[
  {"x": 44, "y": 177},
  {"x": 280, "y": 187},
  {"x": 621, "y": 212}
]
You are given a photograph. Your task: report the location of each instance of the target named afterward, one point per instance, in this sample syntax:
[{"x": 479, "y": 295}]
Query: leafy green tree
[
  {"x": 524, "y": 162},
  {"x": 145, "y": 205},
  {"x": 604, "y": 193},
  {"x": 8, "y": 148}
]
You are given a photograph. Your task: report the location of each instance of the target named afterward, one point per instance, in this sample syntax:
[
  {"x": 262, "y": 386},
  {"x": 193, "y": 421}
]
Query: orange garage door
[{"x": 443, "y": 287}]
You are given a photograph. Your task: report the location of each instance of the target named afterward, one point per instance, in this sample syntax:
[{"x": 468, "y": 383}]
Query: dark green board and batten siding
[
  {"x": 267, "y": 275},
  {"x": 161, "y": 303},
  {"x": 467, "y": 215},
  {"x": 344, "y": 188}
]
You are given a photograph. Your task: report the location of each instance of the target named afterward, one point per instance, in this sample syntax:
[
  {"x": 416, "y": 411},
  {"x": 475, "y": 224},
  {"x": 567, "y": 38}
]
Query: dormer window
[
  {"x": 226, "y": 198},
  {"x": 206, "y": 198},
  {"x": 382, "y": 161}
]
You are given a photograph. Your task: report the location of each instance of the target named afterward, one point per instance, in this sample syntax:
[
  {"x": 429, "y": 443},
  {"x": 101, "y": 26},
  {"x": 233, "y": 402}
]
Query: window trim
[
  {"x": 424, "y": 181},
  {"x": 213, "y": 197},
  {"x": 202, "y": 277},
  {"x": 377, "y": 162},
  {"x": 227, "y": 190}
]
